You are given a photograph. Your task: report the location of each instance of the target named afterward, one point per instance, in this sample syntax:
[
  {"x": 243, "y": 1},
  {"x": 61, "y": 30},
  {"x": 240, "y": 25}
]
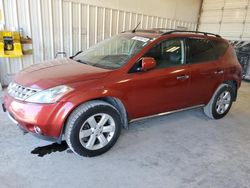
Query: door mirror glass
[{"x": 148, "y": 63}]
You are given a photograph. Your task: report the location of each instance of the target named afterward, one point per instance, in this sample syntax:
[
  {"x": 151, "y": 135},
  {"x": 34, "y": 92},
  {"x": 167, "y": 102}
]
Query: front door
[{"x": 163, "y": 88}]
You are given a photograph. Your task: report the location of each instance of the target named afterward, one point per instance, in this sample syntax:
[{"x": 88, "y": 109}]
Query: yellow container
[{"x": 10, "y": 44}]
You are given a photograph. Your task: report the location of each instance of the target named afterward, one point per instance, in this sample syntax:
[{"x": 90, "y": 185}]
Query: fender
[{"x": 79, "y": 97}]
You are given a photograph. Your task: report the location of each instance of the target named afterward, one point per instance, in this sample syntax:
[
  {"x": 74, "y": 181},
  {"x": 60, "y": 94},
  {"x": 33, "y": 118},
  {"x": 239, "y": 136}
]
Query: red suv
[{"x": 86, "y": 99}]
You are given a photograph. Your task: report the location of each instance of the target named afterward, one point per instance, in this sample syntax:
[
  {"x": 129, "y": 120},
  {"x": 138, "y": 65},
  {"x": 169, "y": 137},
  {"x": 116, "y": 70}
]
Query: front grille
[{"x": 20, "y": 92}]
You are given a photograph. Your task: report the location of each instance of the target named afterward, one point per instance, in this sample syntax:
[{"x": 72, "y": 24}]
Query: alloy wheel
[
  {"x": 223, "y": 102},
  {"x": 97, "y": 131}
]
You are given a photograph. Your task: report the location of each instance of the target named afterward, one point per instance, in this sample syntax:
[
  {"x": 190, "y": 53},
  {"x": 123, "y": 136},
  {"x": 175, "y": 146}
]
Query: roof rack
[
  {"x": 143, "y": 30},
  {"x": 196, "y": 32}
]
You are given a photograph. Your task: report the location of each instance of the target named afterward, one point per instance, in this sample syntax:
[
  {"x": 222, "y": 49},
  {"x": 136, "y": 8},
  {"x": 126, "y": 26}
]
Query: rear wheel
[
  {"x": 220, "y": 103},
  {"x": 93, "y": 128}
]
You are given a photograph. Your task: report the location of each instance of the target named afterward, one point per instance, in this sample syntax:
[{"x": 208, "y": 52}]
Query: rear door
[{"x": 206, "y": 70}]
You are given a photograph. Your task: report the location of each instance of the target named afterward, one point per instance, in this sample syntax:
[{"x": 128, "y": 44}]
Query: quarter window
[{"x": 220, "y": 48}]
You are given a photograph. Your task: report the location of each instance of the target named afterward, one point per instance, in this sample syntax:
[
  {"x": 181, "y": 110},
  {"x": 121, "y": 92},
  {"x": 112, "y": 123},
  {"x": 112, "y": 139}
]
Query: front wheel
[
  {"x": 93, "y": 128},
  {"x": 220, "y": 103}
]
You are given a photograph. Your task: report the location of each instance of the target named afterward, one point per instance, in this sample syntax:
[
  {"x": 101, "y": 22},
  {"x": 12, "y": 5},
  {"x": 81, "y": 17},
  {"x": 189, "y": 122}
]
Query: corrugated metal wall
[
  {"x": 229, "y": 18},
  {"x": 60, "y": 25}
]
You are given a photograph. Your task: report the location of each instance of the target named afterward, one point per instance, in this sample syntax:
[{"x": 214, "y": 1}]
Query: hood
[{"x": 57, "y": 72}]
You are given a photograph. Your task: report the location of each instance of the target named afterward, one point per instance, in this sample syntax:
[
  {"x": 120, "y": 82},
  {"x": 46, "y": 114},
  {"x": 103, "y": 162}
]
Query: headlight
[{"x": 51, "y": 95}]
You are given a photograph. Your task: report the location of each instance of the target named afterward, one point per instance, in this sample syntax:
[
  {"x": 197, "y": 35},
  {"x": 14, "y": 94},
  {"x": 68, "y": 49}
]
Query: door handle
[
  {"x": 182, "y": 77},
  {"x": 219, "y": 72}
]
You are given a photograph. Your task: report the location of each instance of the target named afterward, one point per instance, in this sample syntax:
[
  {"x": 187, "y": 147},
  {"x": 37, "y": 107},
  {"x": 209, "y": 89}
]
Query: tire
[
  {"x": 220, "y": 103},
  {"x": 93, "y": 128}
]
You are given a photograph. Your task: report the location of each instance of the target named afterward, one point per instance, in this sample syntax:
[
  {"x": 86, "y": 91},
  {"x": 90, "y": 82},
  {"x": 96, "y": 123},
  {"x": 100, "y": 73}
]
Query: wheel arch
[
  {"x": 118, "y": 104},
  {"x": 114, "y": 101},
  {"x": 234, "y": 85}
]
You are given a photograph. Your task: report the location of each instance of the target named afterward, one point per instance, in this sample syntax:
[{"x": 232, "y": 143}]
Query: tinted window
[
  {"x": 168, "y": 53},
  {"x": 220, "y": 48},
  {"x": 200, "y": 50}
]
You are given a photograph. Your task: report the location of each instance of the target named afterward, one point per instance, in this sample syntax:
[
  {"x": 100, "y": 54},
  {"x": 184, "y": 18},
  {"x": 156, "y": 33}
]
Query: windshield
[{"x": 114, "y": 52}]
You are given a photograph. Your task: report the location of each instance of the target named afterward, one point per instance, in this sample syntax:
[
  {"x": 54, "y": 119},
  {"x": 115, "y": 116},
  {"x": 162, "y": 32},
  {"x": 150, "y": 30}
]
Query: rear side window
[
  {"x": 200, "y": 50},
  {"x": 220, "y": 48}
]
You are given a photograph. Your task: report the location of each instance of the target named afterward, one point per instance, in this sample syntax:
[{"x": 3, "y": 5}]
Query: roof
[
  {"x": 157, "y": 32},
  {"x": 149, "y": 33}
]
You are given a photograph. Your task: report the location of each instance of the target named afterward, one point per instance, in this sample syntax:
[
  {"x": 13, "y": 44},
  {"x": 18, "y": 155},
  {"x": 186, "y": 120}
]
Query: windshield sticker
[
  {"x": 152, "y": 39},
  {"x": 142, "y": 39}
]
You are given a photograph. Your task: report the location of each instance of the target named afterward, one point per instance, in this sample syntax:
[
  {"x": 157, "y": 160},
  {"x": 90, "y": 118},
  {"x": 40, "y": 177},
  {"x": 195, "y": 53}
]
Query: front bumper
[
  {"x": 45, "y": 121},
  {"x": 35, "y": 133}
]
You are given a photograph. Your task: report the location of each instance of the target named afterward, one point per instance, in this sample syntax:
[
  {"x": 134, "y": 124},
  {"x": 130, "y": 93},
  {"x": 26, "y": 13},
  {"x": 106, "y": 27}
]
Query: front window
[
  {"x": 168, "y": 53},
  {"x": 113, "y": 53}
]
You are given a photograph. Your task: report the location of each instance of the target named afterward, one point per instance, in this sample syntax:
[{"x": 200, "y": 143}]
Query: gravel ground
[{"x": 185, "y": 149}]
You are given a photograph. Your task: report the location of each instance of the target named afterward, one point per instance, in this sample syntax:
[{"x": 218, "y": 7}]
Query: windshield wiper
[
  {"x": 81, "y": 61},
  {"x": 71, "y": 57}
]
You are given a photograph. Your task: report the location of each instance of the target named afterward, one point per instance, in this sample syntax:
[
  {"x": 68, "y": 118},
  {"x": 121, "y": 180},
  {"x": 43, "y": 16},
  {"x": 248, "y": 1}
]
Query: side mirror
[{"x": 148, "y": 63}]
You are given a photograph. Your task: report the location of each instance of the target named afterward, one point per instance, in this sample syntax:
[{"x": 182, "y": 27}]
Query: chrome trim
[
  {"x": 20, "y": 92},
  {"x": 37, "y": 130},
  {"x": 182, "y": 77},
  {"x": 12, "y": 119},
  {"x": 167, "y": 113}
]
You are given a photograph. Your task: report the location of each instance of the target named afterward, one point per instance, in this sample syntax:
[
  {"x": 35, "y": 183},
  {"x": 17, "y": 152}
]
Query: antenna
[{"x": 134, "y": 30}]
